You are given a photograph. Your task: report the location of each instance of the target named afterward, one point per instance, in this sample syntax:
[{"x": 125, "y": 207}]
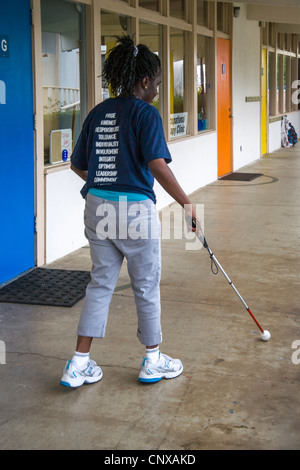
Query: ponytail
[{"x": 127, "y": 64}]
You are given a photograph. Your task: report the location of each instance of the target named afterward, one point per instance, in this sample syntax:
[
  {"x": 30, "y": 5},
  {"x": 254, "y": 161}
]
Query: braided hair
[{"x": 127, "y": 64}]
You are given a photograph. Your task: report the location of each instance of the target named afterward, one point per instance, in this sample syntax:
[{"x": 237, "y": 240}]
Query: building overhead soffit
[
  {"x": 284, "y": 15},
  {"x": 273, "y": 3}
]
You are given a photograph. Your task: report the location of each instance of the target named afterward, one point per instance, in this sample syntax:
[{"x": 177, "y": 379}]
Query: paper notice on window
[
  {"x": 178, "y": 124},
  {"x": 60, "y": 145}
]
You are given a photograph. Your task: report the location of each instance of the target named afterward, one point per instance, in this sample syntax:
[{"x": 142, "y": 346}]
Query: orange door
[{"x": 224, "y": 106}]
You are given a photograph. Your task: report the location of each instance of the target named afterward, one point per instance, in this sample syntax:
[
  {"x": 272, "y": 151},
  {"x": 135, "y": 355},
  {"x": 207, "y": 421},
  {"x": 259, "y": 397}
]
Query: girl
[{"x": 121, "y": 149}]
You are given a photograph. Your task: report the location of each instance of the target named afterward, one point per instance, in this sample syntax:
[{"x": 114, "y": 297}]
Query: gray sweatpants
[{"x": 116, "y": 230}]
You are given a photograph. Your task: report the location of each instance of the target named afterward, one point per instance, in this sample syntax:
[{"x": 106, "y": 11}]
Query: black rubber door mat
[
  {"x": 241, "y": 176},
  {"x": 43, "y": 286}
]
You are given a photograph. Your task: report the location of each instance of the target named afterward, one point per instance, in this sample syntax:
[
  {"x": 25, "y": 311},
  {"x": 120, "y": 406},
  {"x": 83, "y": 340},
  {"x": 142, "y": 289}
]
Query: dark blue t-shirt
[{"x": 118, "y": 139}]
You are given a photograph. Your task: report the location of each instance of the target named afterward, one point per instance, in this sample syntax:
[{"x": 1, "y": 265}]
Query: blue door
[{"x": 16, "y": 140}]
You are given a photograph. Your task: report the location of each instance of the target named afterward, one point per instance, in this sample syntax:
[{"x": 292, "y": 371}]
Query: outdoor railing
[{"x": 57, "y": 98}]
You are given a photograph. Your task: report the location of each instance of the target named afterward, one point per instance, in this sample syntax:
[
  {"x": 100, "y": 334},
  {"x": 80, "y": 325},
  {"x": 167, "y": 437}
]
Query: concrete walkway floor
[{"x": 236, "y": 392}]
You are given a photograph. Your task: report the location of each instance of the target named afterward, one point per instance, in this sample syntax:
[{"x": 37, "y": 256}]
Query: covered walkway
[{"x": 236, "y": 392}]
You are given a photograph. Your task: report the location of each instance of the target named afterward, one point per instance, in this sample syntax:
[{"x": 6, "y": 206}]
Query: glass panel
[
  {"x": 298, "y": 76},
  {"x": 178, "y": 9},
  {"x": 272, "y": 84},
  {"x": 220, "y": 16},
  {"x": 284, "y": 108},
  {"x": 150, "y": 35},
  {"x": 294, "y": 43},
  {"x": 223, "y": 17},
  {"x": 202, "y": 13},
  {"x": 112, "y": 26},
  {"x": 272, "y": 35},
  {"x": 294, "y": 96},
  {"x": 204, "y": 81},
  {"x": 178, "y": 93},
  {"x": 64, "y": 84},
  {"x": 279, "y": 84},
  {"x": 149, "y": 4}
]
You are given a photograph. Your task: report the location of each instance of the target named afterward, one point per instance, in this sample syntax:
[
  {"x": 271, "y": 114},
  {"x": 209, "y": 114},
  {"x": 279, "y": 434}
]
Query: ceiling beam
[
  {"x": 276, "y": 14},
  {"x": 278, "y": 3},
  {"x": 288, "y": 28}
]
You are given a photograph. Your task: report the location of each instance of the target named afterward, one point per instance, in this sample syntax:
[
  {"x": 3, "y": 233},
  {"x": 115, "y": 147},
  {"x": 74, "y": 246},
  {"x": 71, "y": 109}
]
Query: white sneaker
[
  {"x": 74, "y": 377},
  {"x": 164, "y": 368}
]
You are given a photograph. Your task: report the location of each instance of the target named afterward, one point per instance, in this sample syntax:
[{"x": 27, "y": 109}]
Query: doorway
[
  {"x": 224, "y": 106},
  {"x": 264, "y": 145}
]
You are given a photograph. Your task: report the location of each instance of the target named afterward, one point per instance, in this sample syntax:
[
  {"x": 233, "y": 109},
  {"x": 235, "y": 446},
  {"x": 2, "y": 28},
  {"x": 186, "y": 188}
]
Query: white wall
[
  {"x": 194, "y": 164},
  {"x": 64, "y": 214},
  {"x": 274, "y": 138},
  {"x": 275, "y": 130},
  {"x": 294, "y": 119},
  {"x": 245, "y": 83}
]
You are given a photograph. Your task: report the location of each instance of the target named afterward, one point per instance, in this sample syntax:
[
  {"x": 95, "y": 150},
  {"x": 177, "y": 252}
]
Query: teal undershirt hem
[{"x": 115, "y": 195}]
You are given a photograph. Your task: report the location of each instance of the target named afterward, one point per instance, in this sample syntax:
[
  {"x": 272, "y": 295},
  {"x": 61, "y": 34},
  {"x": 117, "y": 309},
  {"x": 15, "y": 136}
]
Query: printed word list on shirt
[{"x": 107, "y": 147}]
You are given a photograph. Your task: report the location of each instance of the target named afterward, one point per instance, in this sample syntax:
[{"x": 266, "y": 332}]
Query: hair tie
[{"x": 136, "y": 51}]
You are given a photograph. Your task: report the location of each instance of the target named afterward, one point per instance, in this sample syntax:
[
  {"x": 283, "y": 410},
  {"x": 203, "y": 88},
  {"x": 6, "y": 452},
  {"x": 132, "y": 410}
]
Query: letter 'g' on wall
[{"x": 4, "y": 53}]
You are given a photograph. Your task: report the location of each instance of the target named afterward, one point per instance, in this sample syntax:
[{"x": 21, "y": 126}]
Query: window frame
[
  {"x": 282, "y": 64},
  {"x": 191, "y": 29}
]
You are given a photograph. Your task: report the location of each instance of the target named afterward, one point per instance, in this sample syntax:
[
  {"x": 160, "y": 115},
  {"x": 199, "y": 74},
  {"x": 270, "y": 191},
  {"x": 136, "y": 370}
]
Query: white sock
[
  {"x": 81, "y": 359},
  {"x": 153, "y": 354}
]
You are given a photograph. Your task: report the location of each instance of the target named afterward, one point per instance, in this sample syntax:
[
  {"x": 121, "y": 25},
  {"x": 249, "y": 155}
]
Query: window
[
  {"x": 286, "y": 83},
  {"x": 112, "y": 26},
  {"x": 190, "y": 105},
  {"x": 272, "y": 34},
  {"x": 294, "y": 80},
  {"x": 150, "y": 4},
  {"x": 280, "y": 95},
  {"x": 151, "y": 36},
  {"x": 178, "y": 91},
  {"x": 224, "y": 16},
  {"x": 272, "y": 82},
  {"x": 178, "y": 9},
  {"x": 64, "y": 83},
  {"x": 203, "y": 13},
  {"x": 298, "y": 107},
  {"x": 282, "y": 69},
  {"x": 204, "y": 82}
]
